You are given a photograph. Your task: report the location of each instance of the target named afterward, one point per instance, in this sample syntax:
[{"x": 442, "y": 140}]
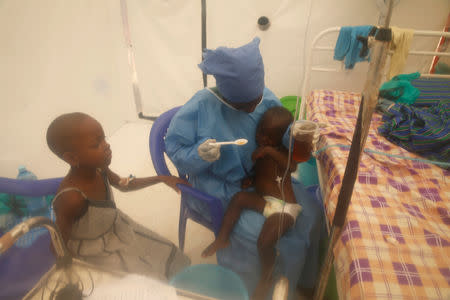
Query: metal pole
[
  {"x": 9, "y": 238},
  {"x": 366, "y": 109},
  {"x": 132, "y": 63},
  {"x": 205, "y": 80}
]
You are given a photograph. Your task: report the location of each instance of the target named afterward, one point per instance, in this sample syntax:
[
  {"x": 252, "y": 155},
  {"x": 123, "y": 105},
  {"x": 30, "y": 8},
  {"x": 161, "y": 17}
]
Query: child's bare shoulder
[{"x": 70, "y": 200}]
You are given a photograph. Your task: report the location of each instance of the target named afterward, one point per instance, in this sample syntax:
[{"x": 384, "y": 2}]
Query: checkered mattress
[{"x": 396, "y": 242}]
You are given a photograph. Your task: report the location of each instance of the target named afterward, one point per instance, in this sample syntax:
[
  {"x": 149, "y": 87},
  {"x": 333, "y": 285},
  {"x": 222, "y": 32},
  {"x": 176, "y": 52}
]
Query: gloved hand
[{"x": 209, "y": 152}]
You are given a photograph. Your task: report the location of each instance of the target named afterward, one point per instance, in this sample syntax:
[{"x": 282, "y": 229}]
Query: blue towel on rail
[{"x": 348, "y": 47}]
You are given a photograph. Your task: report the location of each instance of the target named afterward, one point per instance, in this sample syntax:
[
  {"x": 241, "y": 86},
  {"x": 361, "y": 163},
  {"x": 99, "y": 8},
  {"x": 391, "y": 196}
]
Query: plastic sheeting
[
  {"x": 63, "y": 56},
  {"x": 166, "y": 37},
  {"x": 57, "y": 57}
]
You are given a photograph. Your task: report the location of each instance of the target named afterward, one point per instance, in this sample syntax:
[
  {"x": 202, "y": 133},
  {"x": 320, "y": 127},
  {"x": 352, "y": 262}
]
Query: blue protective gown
[{"x": 204, "y": 117}]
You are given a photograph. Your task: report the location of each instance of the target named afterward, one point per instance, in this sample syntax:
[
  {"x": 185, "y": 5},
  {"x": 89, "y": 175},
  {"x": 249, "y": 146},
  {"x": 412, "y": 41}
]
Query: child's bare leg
[
  {"x": 269, "y": 236},
  {"x": 240, "y": 201}
]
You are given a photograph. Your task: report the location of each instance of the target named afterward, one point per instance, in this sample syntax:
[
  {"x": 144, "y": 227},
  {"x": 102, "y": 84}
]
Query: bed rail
[{"x": 314, "y": 48}]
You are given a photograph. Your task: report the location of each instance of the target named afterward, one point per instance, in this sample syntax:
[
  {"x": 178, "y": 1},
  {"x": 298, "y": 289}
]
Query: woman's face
[{"x": 247, "y": 107}]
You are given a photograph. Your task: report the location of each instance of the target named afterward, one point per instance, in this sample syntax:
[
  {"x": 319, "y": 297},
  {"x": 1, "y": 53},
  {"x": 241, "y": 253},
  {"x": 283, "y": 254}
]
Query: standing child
[
  {"x": 92, "y": 227},
  {"x": 271, "y": 161}
]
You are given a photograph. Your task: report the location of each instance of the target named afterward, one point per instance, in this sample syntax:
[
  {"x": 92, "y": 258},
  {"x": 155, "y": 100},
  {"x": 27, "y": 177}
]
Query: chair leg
[{"x": 182, "y": 225}]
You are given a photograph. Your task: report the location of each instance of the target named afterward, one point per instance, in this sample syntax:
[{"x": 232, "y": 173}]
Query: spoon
[{"x": 239, "y": 142}]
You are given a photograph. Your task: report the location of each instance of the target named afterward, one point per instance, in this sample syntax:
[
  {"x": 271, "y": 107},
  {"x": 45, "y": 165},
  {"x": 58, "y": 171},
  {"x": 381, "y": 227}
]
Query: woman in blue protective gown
[{"x": 228, "y": 112}]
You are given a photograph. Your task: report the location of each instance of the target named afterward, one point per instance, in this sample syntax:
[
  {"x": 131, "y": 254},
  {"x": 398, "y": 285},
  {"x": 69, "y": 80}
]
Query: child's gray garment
[{"x": 106, "y": 236}]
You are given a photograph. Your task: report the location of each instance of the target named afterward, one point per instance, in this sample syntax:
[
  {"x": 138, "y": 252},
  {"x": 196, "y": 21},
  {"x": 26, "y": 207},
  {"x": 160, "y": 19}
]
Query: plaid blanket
[
  {"x": 432, "y": 91},
  {"x": 425, "y": 131},
  {"x": 396, "y": 242}
]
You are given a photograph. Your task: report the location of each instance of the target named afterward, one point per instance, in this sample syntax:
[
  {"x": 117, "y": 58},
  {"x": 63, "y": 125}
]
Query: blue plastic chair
[
  {"x": 157, "y": 150},
  {"x": 21, "y": 268},
  {"x": 30, "y": 188}
]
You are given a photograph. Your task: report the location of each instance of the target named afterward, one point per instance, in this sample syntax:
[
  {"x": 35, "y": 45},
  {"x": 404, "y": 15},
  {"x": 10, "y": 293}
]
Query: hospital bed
[{"x": 396, "y": 241}]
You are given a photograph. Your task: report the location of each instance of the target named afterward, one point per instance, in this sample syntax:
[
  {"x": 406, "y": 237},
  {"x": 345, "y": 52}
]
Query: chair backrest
[
  {"x": 29, "y": 188},
  {"x": 30, "y": 258},
  {"x": 156, "y": 141}
]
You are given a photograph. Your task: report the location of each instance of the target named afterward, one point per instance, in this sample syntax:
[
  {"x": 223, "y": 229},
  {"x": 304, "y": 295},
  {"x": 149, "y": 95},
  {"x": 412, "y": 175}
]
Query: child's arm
[
  {"x": 68, "y": 208},
  {"x": 139, "y": 183},
  {"x": 279, "y": 155},
  {"x": 247, "y": 182}
]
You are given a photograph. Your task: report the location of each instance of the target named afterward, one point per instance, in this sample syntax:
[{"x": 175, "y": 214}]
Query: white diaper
[{"x": 275, "y": 205}]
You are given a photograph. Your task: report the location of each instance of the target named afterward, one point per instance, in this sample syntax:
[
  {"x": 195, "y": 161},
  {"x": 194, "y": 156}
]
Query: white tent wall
[
  {"x": 62, "y": 56},
  {"x": 234, "y": 22},
  {"x": 57, "y": 57},
  {"x": 166, "y": 38}
]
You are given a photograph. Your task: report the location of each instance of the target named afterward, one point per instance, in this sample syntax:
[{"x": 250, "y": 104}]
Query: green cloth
[
  {"x": 13, "y": 204},
  {"x": 4, "y": 207},
  {"x": 400, "y": 89}
]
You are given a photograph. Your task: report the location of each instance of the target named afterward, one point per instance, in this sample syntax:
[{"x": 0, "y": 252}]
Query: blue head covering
[{"x": 239, "y": 72}]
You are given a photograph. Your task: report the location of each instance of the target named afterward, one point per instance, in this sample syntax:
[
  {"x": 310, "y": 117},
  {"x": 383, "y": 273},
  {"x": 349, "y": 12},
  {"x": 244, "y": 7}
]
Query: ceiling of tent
[{"x": 64, "y": 56}]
